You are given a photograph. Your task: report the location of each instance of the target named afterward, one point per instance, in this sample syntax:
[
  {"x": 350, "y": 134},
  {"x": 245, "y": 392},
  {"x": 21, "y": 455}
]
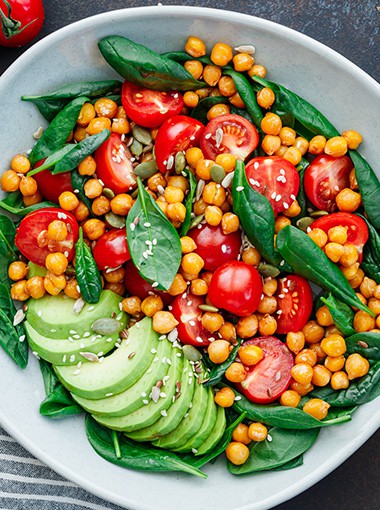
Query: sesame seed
[
  {"x": 76, "y": 372},
  {"x": 162, "y": 394},
  {"x": 278, "y": 198},
  {"x": 192, "y": 323},
  {"x": 164, "y": 413},
  {"x": 21, "y": 338},
  {"x": 39, "y": 313},
  {"x": 240, "y": 188},
  {"x": 91, "y": 308},
  {"x": 285, "y": 205},
  {"x": 147, "y": 224},
  {"x": 208, "y": 136},
  {"x": 109, "y": 394},
  {"x": 269, "y": 438},
  {"x": 238, "y": 397},
  {"x": 155, "y": 284},
  {"x": 153, "y": 351},
  {"x": 145, "y": 401},
  {"x": 224, "y": 248},
  {"x": 64, "y": 358},
  {"x": 194, "y": 450}
]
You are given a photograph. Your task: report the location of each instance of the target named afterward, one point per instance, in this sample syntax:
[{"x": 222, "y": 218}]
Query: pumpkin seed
[
  {"x": 304, "y": 223},
  {"x": 318, "y": 214},
  {"x": 146, "y": 169},
  {"x": 217, "y": 173},
  {"x": 179, "y": 162},
  {"x": 208, "y": 308},
  {"x": 105, "y": 326},
  {"x": 268, "y": 270},
  {"x": 108, "y": 193},
  {"x": 115, "y": 220},
  {"x": 196, "y": 221},
  {"x": 191, "y": 353},
  {"x": 142, "y": 135},
  {"x": 136, "y": 147}
]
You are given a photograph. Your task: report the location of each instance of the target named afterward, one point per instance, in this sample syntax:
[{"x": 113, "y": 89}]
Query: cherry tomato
[
  {"x": 214, "y": 246},
  {"x": 114, "y": 166},
  {"x": 175, "y": 135},
  {"x": 275, "y": 178},
  {"x": 294, "y": 303},
  {"x": 150, "y": 108},
  {"x": 270, "y": 377},
  {"x": 357, "y": 230},
  {"x": 137, "y": 286},
  {"x": 324, "y": 178},
  {"x": 190, "y": 330},
  {"x": 229, "y": 134},
  {"x": 111, "y": 249},
  {"x": 237, "y": 287},
  {"x": 51, "y": 186},
  {"x": 21, "y": 21},
  {"x": 31, "y": 237}
]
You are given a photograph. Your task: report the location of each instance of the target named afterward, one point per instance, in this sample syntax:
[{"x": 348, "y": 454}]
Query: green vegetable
[
  {"x": 182, "y": 56},
  {"x": 341, "y": 313},
  {"x": 141, "y": 457},
  {"x": 49, "y": 378},
  {"x": 367, "y": 344},
  {"x": 12, "y": 338},
  {"x": 8, "y": 250},
  {"x": 301, "y": 196},
  {"x": 14, "y": 204},
  {"x": 202, "y": 108},
  {"x": 371, "y": 253},
  {"x": 59, "y": 403},
  {"x": 77, "y": 182},
  {"x": 309, "y": 261},
  {"x": 87, "y": 272},
  {"x": 247, "y": 94},
  {"x": 53, "y": 159},
  {"x": 153, "y": 241},
  {"x": 285, "y": 446},
  {"x": 369, "y": 187},
  {"x": 55, "y": 136},
  {"x": 189, "y": 203},
  {"x": 145, "y": 67},
  {"x": 217, "y": 372}
]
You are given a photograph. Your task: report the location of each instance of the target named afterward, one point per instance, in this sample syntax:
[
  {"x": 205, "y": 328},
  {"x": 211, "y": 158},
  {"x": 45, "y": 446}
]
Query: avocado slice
[
  {"x": 131, "y": 399},
  {"x": 119, "y": 370},
  {"x": 152, "y": 411},
  {"x": 54, "y": 317},
  {"x": 36, "y": 270},
  {"x": 175, "y": 413},
  {"x": 68, "y": 352},
  {"x": 216, "y": 433}
]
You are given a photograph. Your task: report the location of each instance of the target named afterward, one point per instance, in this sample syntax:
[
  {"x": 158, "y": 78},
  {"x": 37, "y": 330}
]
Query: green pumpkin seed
[
  {"x": 318, "y": 214},
  {"x": 106, "y": 326},
  {"x": 304, "y": 223},
  {"x": 179, "y": 162},
  {"x": 142, "y": 135},
  {"x": 136, "y": 147},
  {"x": 196, "y": 221},
  {"x": 217, "y": 173},
  {"x": 108, "y": 193},
  {"x": 208, "y": 308},
  {"x": 191, "y": 353},
  {"x": 146, "y": 169},
  {"x": 266, "y": 270},
  {"x": 115, "y": 220}
]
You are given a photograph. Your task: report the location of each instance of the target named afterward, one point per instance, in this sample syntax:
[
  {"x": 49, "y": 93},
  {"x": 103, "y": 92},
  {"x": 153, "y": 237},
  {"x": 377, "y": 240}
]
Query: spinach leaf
[
  {"x": 247, "y": 94},
  {"x": 53, "y": 159},
  {"x": 145, "y": 67},
  {"x": 189, "y": 203},
  {"x": 367, "y": 344},
  {"x": 77, "y": 182},
  {"x": 309, "y": 261},
  {"x": 55, "y": 136},
  {"x": 49, "y": 378},
  {"x": 285, "y": 446},
  {"x": 371, "y": 253},
  {"x": 301, "y": 196},
  {"x": 217, "y": 372},
  {"x": 341, "y": 313},
  {"x": 7, "y": 247},
  {"x": 141, "y": 457},
  {"x": 87, "y": 272},
  {"x": 292, "y": 464},
  {"x": 202, "y": 108},
  {"x": 49, "y": 108},
  {"x": 369, "y": 187},
  {"x": 182, "y": 56},
  {"x": 59, "y": 403},
  {"x": 12, "y": 338},
  {"x": 14, "y": 204},
  {"x": 360, "y": 391},
  {"x": 242, "y": 112},
  {"x": 153, "y": 242}
]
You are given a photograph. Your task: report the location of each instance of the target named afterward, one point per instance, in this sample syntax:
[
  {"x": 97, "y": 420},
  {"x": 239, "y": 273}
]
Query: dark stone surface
[{"x": 351, "y": 27}]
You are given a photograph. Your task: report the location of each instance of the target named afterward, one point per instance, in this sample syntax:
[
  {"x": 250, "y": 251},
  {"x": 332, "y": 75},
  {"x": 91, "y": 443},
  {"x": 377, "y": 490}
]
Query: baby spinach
[
  {"x": 87, "y": 272},
  {"x": 367, "y": 344},
  {"x": 153, "y": 242},
  {"x": 309, "y": 261},
  {"x": 202, "y": 108},
  {"x": 77, "y": 182},
  {"x": 284, "y": 446},
  {"x": 53, "y": 159},
  {"x": 145, "y": 67},
  {"x": 217, "y": 371},
  {"x": 14, "y": 204},
  {"x": 371, "y": 253},
  {"x": 341, "y": 313},
  {"x": 59, "y": 404},
  {"x": 12, "y": 338},
  {"x": 301, "y": 195},
  {"x": 247, "y": 95},
  {"x": 49, "y": 378},
  {"x": 55, "y": 136},
  {"x": 141, "y": 457},
  {"x": 189, "y": 203},
  {"x": 8, "y": 250},
  {"x": 182, "y": 56},
  {"x": 369, "y": 187}
]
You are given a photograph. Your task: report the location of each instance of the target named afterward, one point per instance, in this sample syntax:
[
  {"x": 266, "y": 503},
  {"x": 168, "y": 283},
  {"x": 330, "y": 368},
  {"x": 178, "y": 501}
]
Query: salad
[{"x": 195, "y": 253}]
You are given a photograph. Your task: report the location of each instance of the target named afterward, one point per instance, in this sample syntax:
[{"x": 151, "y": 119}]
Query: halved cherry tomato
[
  {"x": 31, "y": 237},
  {"x": 51, "y": 186},
  {"x": 275, "y": 178},
  {"x": 175, "y": 135},
  {"x": 324, "y": 178},
  {"x": 137, "y": 286},
  {"x": 229, "y": 134},
  {"x": 214, "y": 246},
  {"x": 294, "y": 303},
  {"x": 237, "y": 287},
  {"x": 114, "y": 166},
  {"x": 149, "y": 108},
  {"x": 190, "y": 330},
  {"x": 21, "y": 21},
  {"x": 270, "y": 377},
  {"x": 111, "y": 249},
  {"x": 357, "y": 230}
]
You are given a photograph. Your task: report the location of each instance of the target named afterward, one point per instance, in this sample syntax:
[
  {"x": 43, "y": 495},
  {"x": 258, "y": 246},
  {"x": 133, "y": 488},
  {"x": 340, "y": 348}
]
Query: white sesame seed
[
  {"x": 147, "y": 224},
  {"x": 285, "y": 205},
  {"x": 21, "y": 338},
  {"x": 145, "y": 401},
  {"x": 224, "y": 248},
  {"x": 273, "y": 195},
  {"x": 109, "y": 394},
  {"x": 192, "y": 323},
  {"x": 208, "y": 136},
  {"x": 239, "y": 188},
  {"x": 164, "y": 413},
  {"x": 238, "y": 397},
  {"x": 269, "y": 438}
]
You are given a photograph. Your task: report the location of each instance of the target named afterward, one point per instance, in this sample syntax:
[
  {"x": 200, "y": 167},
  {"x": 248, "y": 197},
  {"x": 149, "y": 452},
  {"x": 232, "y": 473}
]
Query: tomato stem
[{"x": 10, "y": 26}]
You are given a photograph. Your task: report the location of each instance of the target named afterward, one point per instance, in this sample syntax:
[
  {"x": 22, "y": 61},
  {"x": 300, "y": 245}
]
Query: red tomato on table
[
  {"x": 137, "y": 286},
  {"x": 21, "y": 21},
  {"x": 111, "y": 249},
  {"x": 185, "y": 309},
  {"x": 294, "y": 303}
]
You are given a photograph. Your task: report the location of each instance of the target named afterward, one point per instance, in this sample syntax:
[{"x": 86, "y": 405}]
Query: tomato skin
[
  {"x": 111, "y": 249},
  {"x": 175, "y": 135},
  {"x": 210, "y": 240},
  {"x": 185, "y": 310},
  {"x": 22, "y": 13},
  {"x": 237, "y": 287},
  {"x": 324, "y": 178},
  {"x": 271, "y": 376},
  {"x": 116, "y": 175},
  {"x": 240, "y": 137},
  {"x": 153, "y": 108},
  {"x": 37, "y": 221},
  {"x": 273, "y": 176},
  {"x": 137, "y": 286},
  {"x": 51, "y": 186},
  {"x": 357, "y": 230},
  {"x": 293, "y": 318}
]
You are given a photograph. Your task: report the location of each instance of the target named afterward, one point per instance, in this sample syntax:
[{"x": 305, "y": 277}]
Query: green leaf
[
  {"x": 369, "y": 187},
  {"x": 153, "y": 242},
  {"x": 247, "y": 94},
  {"x": 14, "y": 204},
  {"x": 202, "y": 108},
  {"x": 87, "y": 272},
  {"x": 7, "y": 247},
  {"x": 182, "y": 56},
  {"x": 371, "y": 252},
  {"x": 292, "y": 464},
  {"x": 77, "y": 182},
  {"x": 48, "y": 108},
  {"x": 217, "y": 372},
  {"x": 309, "y": 261},
  {"x": 59, "y": 403},
  {"x": 285, "y": 446},
  {"x": 55, "y": 136},
  {"x": 145, "y": 67},
  {"x": 341, "y": 313},
  {"x": 53, "y": 159},
  {"x": 9, "y": 334},
  {"x": 189, "y": 203},
  {"x": 141, "y": 457},
  {"x": 301, "y": 196},
  {"x": 49, "y": 378},
  {"x": 366, "y": 344}
]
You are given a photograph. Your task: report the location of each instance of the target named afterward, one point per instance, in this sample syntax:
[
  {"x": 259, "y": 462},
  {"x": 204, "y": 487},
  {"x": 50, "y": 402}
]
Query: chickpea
[
  {"x": 35, "y": 287},
  {"x": 374, "y": 305},
  {"x": 152, "y": 305},
  {"x": 97, "y": 125},
  {"x": 72, "y": 289},
  {"x": 363, "y": 322},
  {"x": 212, "y": 74},
  {"x": 324, "y": 317},
  {"x": 317, "y": 145},
  {"x": 313, "y": 332},
  {"x": 192, "y": 263},
  {"x": 236, "y": 100},
  {"x": 356, "y": 366},
  {"x": 321, "y": 375},
  {"x": 295, "y": 341},
  {"x": 86, "y": 115},
  {"x": 81, "y": 212},
  {"x": 267, "y": 305},
  {"x": 250, "y": 354},
  {"x": 214, "y": 194},
  {"x": 18, "y": 270},
  {"x": 68, "y": 201},
  {"x": 194, "y": 67},
  {"x": 34, "y": 199},
  {"x": 195, "y": 47},
  {"x": 240, "y": 434},
  {"x": 334, "y": 251},
  {"x": 235, "y": 373},
  {"x": 221, "y": 54},
  {"x": 302, "y": 373},
  {"x": 54, "y": 283},
  {"x": 176, "y": 212},
  {"x": 237, "y": 453},
  {"x": 339, "y": 380},
  {"x": 306, "y": 356},
  {"x": 20, "y": 164},
  {"x": 281, "y": 222},
  {"x": 218, "y": 351},
  {"x": 131, "y": 305},
  {"x": 270, "y": 286},
  {"x": 348, "y": 200},
  {"x": 117, "y": 288},
  {"x": 353, "y": 138},
  {"x": 368, "y": 287},
  {"x": 57, "y": 230},
  {"x": 267, "y": 325},
  {"x": 114, "y": 276},
  {"x": 56, "y": 263},
  {"x": 225, "y": 397},
  {"x": 173, "y": 195},
  {"x": 217, "y": 110},
  {"x": 106, "y": 107},
  {"x": 10, "y": 181},
  {"x": 93, "y": 188},
  {"x": 336, "y": 146},
  {"x": 198, "y": 287},
  {"x": 334, "y": 363},
  {"x": 227, "y": 332},
  {"x": 212, "y": 321},
  {"x": 271, "y": 144},
  {"x": 301, "y": 389},
  {"x": 213, "y": 215},
  {"x": 357, "y": 279},
  {"x": 80, "y": 133},
  {"x": 120, "y": 126},
  {"x": 265, "y": 98},
  {"x": 271, "y": 124},
  {"x": 257, "y": 70},
  {"x": 247, "y": 327},
  {"x": 121, "y": 204},
  {"x": 164, "y": 322},
  {"x": 193, "y": 156},
  {"x": 178, "y": 181},
  {"x": 318, "y": 236},
  {"x": 251, "y": 256},
  {"x": 317, "y": 408},
  {"x": 19, "y": 291},
  {"x": 94, "y": 229},
  {"x": 203, "y": 169},
  {"x": 257, "y": 432},
  {"x": 226, "y": 86},
  {"x": 28, "y": 186},
  {"x": 301, "y": 144},
  {"x": 290, "y": 398},
  {"x": 100, "y": 206},
  {"x": 293, "y": 155}
]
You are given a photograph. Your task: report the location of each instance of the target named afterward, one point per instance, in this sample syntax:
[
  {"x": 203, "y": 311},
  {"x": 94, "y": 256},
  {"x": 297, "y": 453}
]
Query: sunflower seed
[{"x": 105, "y": 326}]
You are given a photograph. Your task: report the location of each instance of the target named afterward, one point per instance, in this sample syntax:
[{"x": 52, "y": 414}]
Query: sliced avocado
[
  {"x": 54, "y": 317},
  {"x": 190, "y": 424},
  {"x": 175, "y": 413},
  {"x": 119, "y": 370},
  {"x": 68, "y": 352},
  {"x": 209, "y": 420},
  {"x": 131, "y": 399},
  {"x": 153, "y": 410},
  {"x": 216, "y": 433},
  {"x": 36, "y": 270}
]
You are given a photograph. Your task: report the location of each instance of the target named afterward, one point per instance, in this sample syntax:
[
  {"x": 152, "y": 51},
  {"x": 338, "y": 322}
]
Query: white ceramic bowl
[{"x": 344, "y": 93}]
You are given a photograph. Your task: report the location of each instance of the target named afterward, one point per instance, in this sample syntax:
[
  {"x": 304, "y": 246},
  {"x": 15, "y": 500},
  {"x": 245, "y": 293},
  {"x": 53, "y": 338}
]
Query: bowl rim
[{"x": 310, "y": 44}]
